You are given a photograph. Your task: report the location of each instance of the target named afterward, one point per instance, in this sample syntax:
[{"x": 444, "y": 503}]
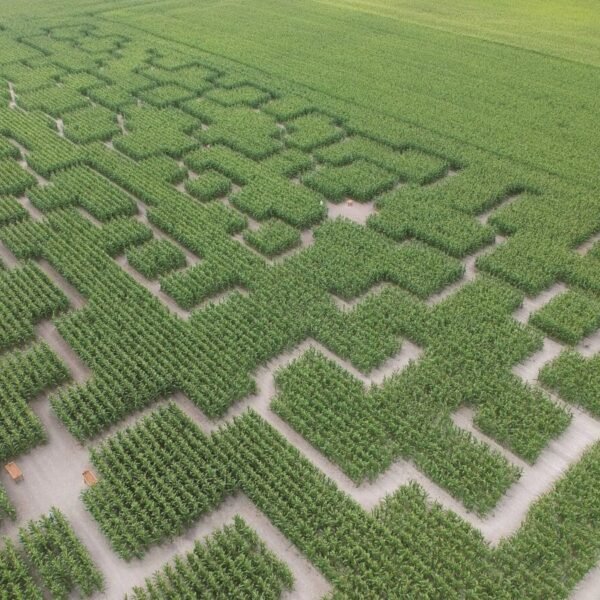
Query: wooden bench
[
  {"x": 90, "y": 479},
  {"x": 15, "y": 473}
]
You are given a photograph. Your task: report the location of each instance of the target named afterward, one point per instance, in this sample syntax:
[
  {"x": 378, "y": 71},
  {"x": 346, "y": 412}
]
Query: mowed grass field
[{"x": 299, "y": 299}]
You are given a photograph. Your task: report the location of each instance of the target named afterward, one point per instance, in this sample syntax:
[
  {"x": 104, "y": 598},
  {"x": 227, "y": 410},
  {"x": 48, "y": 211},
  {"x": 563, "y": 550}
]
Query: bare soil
[
  {"x": 590, "y": 345},
  {"x": 358, "y": 212},
  {"x": 13, "y": 97},
  {"x": 9, "y": 260}
]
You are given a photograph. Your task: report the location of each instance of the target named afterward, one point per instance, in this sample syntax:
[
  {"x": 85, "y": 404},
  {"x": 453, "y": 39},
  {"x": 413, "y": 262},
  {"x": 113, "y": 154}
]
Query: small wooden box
[
  {"x": 13, "y": 470},
  {"x": 90, "y": 479}
]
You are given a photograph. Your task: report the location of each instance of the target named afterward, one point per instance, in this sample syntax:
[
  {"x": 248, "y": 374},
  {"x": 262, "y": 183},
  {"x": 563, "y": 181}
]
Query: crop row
[
  {"x": 209, "y": 186},
  {"x": 47, "y": 151},
  {"x": 90, "y": 124},
  {"x": 59, "y": 556},
  {"x": 232, "y": 563},
  {"x": 407, "y": 164},
  {"x": 84, "y": 187},
  {"x": 53, "y": 100},
  {"x": 13, "y": 179},
  {"x": 11, "y": 211},
  {"x": 7, "y": 510},
  {"x": 365, "y": 432},
  {"x": 576, "y": 379},
  {"x": 26, "y": 297},
  {"x": 154, "y": 131},
  {"x": 382, "y": 554},
  {"x": 24, "y": 375},
  {"x": 470, "y": 341},
  {"x": 135, "y": 502},
  {"x": 253, "y": 134},
  {"x": 195, "y": 77},
  {"x": 155, "y": 258},
  {"x": 537, "y": 256},
  {"x": 26, "y": 78},
  {"x": 15, "y": 580},
  {"x": 273, "y": 237},
  {"x": 569, "y": 317}
]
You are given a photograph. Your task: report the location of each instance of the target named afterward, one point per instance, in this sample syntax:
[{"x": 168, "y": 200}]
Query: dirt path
[
  {"x": 358, "y": 212},
  {"x": 588, "y": 244},
  {"x": 590, "y": 345},
  {"x": 47, "y": 331},
  {"x": 50, "y": 480},
  {"x": 532, "y": 304},
  {"x": 41, "y": 181},
  {"x": 34, "y": 213},
  {"x": 470, "y": 273},
  {"x": 512, "y": 509},
  {"x": 12, "y": 103},
  {"x": 530, "y": 368},
  {"x": 9, "y": 260},
  {"x": 53, "y": 472},
  {"x": 484, "y": 217}
]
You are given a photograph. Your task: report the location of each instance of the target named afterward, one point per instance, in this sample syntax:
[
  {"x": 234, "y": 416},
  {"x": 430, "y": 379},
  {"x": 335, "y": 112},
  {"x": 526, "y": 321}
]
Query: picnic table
[
  {"x": 15, "y": 473},
  {"x": 90, "y": 478}
]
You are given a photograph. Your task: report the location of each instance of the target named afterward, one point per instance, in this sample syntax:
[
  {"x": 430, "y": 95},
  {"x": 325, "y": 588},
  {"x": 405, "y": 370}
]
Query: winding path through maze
[{"x": 400, "y": 245}]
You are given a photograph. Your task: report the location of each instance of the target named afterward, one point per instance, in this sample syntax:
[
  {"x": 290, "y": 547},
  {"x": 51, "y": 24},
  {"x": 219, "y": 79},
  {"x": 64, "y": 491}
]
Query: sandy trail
[
  {"x": 464, "y": 417},
  {"x": 12, "y": 103},
  {"x": 121, "y": 124},
  {"x": 470, "y": 273},
  {"x": 529, "y": 369},
  {"x": 34, "y": 213},
  {"x": 153, "y": 286},
  {"x": 532, "y": 304},
  {"x": 512, "y": 509},
  {"x": 358, "y": 212},
  {"x": 9, "y": 260},
  {"x": 48, "y": 332},
  {"x": 590, "y": 345},
  {"x": 307, "y": 239},
  {"x": 41, "y": 181},
  {"x": 53, "y": 480},
  {"x": 349, "y": 305},
  {"x": 484, "y": 217},
  {"x": 539, "y": 479},
  {"x": 142, "y": 216},
  {"x": 76, "y": 300},
  {"x": 588, "y": 244}
]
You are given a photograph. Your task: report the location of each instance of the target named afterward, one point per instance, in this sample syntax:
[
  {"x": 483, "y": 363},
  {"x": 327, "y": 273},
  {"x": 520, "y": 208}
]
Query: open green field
[{"x": 299, "y": 299}]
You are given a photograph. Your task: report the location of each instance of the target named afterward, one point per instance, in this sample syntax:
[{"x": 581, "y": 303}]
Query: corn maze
[{"x": 306, "y": 350}]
